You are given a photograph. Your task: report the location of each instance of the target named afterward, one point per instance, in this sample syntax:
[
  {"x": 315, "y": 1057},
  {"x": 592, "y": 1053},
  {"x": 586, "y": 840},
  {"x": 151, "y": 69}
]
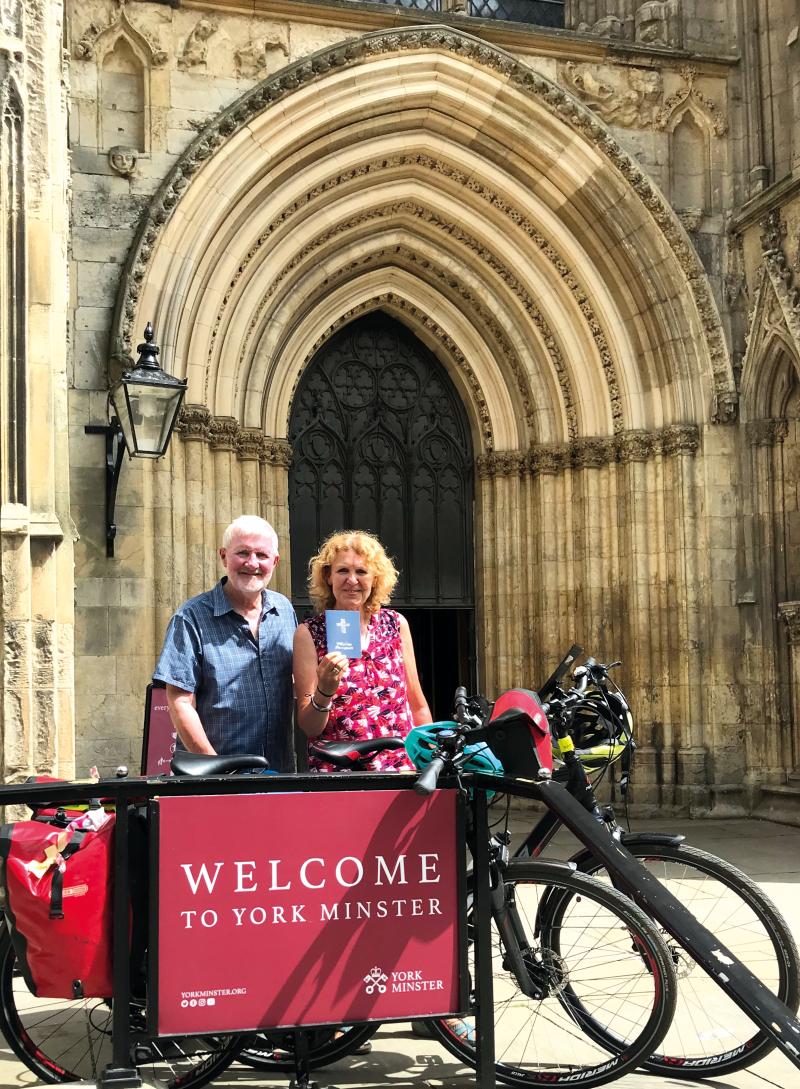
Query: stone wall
[
  {"x": 35, "y": 526},
  {"x": 527, "y": 223}
]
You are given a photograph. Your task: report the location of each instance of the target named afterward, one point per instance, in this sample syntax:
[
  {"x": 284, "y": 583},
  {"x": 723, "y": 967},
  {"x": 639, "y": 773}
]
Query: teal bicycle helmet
[{"x": 421, "y": 743}]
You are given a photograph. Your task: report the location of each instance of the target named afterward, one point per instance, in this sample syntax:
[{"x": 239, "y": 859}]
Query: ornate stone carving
[
  {"x": 725, "y": 407},
  {"x": 194, "y": 423},
  {"x": 626, "y": 96},
  {"x": 453, "y": 231},
  {"x": 257, "y": 57},
  {"x": 659, "y": 22},
  {"x": 690, "y": 96},
  {"x": 223, "y": 433},
  {"x": 766, "y": 432},
  {"x": 276, "y": 452},
  {"x": 449, "y": 346},
  {"x": 501, "y": 463},
  {"x": 789, "y": 612},
  {"x": 86, "y": 45},
  {"x": 548, "y": 459},
  {"x": 525, "y": 79},
  {"x": 691, "y": 218},
  {"x": 635, "y": 445},
  {"x": 592, "y": 453},
  {"x": 680, "y": 439},
  {"x": 123, "y": 159},
  {"x": 610, "y": 26},
  {"x": 250, "y": 444},
  {"x": 404, "y": 255},
  {"x": 781, "y": 273},
  {"x": 195, "y": 51}
]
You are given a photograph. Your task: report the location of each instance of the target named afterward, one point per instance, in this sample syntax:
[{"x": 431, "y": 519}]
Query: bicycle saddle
[
  {"x": 199, "y": 763},
  {"x": 346, "y": 754}
]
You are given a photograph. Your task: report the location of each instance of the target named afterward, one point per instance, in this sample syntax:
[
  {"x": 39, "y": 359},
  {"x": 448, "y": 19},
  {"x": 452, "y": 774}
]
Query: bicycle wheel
[
  {"x": 70, "y": 1040},
  {"x": 275, "y": 1050},
  {"x": 587, "y": 948},
  {"x": 709, "y": 1033}
]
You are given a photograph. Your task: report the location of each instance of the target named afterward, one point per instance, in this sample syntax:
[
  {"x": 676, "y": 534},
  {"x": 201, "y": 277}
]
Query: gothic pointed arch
[{"x": 568, "y": 341}]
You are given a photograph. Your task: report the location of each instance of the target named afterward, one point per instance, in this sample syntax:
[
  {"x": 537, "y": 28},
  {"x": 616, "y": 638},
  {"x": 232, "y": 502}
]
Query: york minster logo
[{"x": 376, "y": 980}]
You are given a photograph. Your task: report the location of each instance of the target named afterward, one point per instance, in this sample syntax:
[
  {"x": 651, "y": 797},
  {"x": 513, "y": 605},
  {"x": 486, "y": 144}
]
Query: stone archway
[{"x": 439, "y": 179}]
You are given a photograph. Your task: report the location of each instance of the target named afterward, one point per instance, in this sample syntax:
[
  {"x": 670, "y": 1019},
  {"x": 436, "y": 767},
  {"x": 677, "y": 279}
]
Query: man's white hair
[{"x": 248, "y": 523}]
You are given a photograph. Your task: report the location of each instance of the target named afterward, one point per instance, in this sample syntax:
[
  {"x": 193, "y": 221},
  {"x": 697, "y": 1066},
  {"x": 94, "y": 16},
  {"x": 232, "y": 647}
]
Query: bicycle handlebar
[
  {"x": 428, "y": 777},
  {"x": 460, "y": 708}
]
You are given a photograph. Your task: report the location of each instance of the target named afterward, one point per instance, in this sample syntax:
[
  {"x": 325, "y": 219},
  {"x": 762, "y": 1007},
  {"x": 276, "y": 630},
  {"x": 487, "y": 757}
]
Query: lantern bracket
[{"x": 115, "y": 449}]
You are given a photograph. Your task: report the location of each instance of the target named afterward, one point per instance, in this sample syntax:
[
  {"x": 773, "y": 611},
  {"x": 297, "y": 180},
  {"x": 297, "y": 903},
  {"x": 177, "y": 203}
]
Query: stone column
[
  {"x": 679, "y": 445},
  {"x": 223, "y": 435},
  {"x": 548, "y": 465},
  {"x": 194, "y": 428},
  {"x": 634, "y": 448},
  {"x": 276, "y": 457},
  {"x": 486, "y": 575},
  {"x": 789, "y": 612},
  {"x": 777, "y": 756},
  {"x": 249, "y": 449}
]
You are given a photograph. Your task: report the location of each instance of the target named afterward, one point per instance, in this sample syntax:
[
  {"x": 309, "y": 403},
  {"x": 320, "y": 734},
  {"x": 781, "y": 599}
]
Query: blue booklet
[{"x": 343, "y": 629}]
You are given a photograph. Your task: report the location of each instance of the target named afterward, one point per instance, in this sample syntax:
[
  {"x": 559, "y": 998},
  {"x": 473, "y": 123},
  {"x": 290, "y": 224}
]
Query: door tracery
[{"x": 381, "y": 442}]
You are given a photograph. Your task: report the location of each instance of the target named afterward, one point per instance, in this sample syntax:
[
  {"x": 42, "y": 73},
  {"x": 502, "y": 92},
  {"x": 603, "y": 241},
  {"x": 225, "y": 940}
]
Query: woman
[{"x": 377, "y": 694}]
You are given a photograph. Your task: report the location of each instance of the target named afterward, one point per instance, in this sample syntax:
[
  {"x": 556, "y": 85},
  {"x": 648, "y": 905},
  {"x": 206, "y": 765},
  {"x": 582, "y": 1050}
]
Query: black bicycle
[
  {"x": 561, "y": 964},
  {"x": 594, "y": 951},
  {"x": 710, "y": 1035}
]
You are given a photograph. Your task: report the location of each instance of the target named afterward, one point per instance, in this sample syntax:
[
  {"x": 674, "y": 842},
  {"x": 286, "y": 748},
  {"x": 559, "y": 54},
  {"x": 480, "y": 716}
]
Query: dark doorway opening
[{"x": 381, "y": 442}]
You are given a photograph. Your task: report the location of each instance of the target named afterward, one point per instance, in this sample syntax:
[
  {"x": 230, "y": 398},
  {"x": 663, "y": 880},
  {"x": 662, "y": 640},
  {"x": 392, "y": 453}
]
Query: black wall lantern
[{"x": 145, "y": 404}]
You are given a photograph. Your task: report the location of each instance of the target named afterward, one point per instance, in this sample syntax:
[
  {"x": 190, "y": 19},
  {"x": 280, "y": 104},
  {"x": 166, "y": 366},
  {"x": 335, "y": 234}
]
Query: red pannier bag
[{"x": 56, "y": 889}]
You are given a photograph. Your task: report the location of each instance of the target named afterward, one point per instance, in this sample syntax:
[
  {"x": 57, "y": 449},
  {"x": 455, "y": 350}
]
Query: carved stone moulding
[
  {"x": 691, "y": 97},
  {"x": 766, "y": 432},
  {"x": 277, "y": 452},
  {"x": 501, "y": 463},
  {"x": 680, "y": 439},
  {"x": 592, "y": 452},
  {"x": 636, "y": 445},
  {"x": 789, "y": 612},
  {"x": 250, "y": 444},
  {"x": 196, "y": 424},
  {"x": 223, "y": 433},
  {"x": 559, "y": 102},
  {"x": 626, "y": 97},
  {"x": 85, "y": 46}
]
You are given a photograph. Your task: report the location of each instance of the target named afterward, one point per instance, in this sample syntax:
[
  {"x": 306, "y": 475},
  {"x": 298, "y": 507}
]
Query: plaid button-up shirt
[{"x": 243, "y": 689}]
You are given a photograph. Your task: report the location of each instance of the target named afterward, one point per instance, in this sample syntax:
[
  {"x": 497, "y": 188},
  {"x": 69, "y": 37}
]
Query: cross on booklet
[{"x": 343, "y": 629}]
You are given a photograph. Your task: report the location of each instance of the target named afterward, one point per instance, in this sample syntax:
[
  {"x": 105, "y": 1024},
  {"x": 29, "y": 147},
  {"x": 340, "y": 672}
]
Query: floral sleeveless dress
[{"x": 372, "y": 700}]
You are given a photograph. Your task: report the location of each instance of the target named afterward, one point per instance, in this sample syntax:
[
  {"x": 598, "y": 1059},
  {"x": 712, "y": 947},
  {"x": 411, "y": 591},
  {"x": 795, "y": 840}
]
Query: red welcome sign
[{"x": 306, "y": 908}]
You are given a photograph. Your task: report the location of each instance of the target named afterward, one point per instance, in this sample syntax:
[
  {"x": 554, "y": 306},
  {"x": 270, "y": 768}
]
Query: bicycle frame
[{"x": 748, "y": 992}]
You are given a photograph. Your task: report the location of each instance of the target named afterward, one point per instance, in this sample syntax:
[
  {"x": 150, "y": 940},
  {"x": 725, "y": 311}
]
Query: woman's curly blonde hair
[{"x": 375, "y": 559}]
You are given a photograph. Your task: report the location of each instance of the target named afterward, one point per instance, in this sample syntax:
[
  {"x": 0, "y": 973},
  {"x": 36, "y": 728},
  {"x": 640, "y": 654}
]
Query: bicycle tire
[
  {"x": 67, "y": 1040},
  {"x": 324, "y": 1047},
  {"x": 584, "y": 944},
  {"x": 732, "y": 906}
]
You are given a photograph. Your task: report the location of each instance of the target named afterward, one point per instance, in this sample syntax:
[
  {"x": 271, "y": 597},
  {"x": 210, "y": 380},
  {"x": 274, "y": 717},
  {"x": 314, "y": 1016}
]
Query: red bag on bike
[{"x": 56, "y": 889}]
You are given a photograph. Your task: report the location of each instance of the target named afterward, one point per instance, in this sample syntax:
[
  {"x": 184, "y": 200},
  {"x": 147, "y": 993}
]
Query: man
[{"x": 227, "y": 655}]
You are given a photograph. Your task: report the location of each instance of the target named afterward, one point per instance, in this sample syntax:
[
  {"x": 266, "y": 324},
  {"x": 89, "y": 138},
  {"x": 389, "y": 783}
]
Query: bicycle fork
[{"x": 518, "y": 954}]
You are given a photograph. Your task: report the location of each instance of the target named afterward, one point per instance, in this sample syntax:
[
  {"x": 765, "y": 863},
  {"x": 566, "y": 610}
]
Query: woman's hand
[{"x": 330, "y": 671}]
